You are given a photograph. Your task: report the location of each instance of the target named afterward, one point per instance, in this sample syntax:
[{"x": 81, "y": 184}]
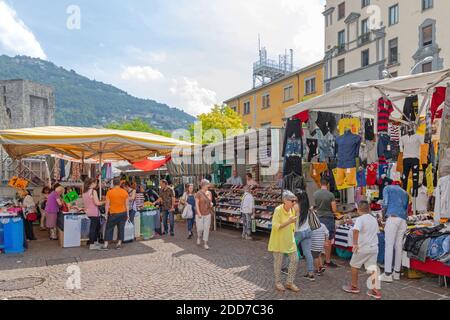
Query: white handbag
[{"x": 188, "y": 213}]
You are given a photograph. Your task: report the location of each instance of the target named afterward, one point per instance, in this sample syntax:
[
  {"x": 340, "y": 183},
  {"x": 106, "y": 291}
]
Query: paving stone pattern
[{"x": 176, "y": 268}]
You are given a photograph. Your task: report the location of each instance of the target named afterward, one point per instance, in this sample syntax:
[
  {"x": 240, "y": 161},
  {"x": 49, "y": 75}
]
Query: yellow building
[{"x": 264, "y": 106}]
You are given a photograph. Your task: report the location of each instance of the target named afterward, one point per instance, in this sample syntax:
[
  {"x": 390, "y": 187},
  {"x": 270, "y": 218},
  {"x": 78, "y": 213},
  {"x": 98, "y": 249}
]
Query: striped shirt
[
  {"x": 318, "y": 238},
  {"x": 394, "y": 132},
  {"x": 385, "y": 109}
]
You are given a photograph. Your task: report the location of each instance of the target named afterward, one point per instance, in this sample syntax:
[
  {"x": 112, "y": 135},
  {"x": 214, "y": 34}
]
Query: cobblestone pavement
[{"x": 175, "y": 268}]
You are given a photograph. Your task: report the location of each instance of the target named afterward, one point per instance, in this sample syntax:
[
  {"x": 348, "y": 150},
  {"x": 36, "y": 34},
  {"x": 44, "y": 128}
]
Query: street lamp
[{"x": 426, "y": 60}]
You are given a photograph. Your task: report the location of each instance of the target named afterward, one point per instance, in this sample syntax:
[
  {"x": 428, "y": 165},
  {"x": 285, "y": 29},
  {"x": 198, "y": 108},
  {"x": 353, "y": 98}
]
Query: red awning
[{"x": 150, "y": 165}]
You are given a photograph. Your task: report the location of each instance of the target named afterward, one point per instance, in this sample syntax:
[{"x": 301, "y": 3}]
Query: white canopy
[{"x": 360, "y": 98}]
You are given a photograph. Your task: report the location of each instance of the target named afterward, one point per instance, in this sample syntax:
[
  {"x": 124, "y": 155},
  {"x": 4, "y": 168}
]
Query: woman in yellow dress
[{"x": 282, "y": 241}]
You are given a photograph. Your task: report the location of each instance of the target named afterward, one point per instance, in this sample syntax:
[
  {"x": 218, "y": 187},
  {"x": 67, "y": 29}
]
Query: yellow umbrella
[{"x": 87, "y": 143}]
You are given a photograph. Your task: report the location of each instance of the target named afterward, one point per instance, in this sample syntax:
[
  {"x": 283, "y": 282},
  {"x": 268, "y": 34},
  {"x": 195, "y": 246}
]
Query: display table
[
  {"x": 72, "y": 229},
  {"x": 433, "y": 267}
]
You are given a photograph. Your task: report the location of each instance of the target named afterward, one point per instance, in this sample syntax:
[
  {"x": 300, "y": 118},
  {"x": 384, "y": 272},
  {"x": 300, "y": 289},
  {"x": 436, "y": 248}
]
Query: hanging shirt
[
  {"x": 411, "y": 108},
  {"x": 348, "y": 150},
  {"x": 410, "y": 146},
  {"x": 385, "y": 109},
  {"x": 326, "y": 145},
  {"x": 352, "y": 124},
  {"x": 369, "y": 130},
  {"x": 437, "y": 101},
  {"x": 394, "y": 132},
  {"x": 442, "y": 205},
  {"x": 326, "y": 122},
  {"x": 422, "y": 199}
]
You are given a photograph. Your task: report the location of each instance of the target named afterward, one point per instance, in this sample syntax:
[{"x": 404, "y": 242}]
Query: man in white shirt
[
  {"x": 365, "y": 250},
  {"x": 247, "y": 212},
  {"x": 235, "y": 180}
]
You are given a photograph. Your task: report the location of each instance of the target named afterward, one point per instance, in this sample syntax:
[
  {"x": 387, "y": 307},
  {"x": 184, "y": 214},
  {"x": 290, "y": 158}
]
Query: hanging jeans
[
  {"x": 304, "y": 240},
  {"x": 394, "y": 231},
  {"x": 411, "y": 164},
  {"x": 384, "y": 146}
]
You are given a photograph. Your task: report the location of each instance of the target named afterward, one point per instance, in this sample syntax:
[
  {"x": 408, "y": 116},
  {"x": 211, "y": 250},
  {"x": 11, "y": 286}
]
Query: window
[
  {"x": 393, "y": 15},
  {"x": 247, "y": 107},
  {"x": 266, "y": 101},
  {"x": 365, "y": 58},
  {"x": 310, "y": 86},
  {"x": 393, "y": 51},
  {"x": 394, "y": 74},
  {"x": 341, "y": 41},
  {"x": 234, "y": 108},
  {"x": 288, "y": 93},
  {"x": 365, "y": 33},
  {"x": 365, "y": 3},
  {"x": 341, "y": 11},
  {"x": 427, "y": 67},
  {"x": 341, "y": 67},
  {"x": 427, "y": 35},
  {"x": 328, "y": 20},
  {"x": 427, "y": 4}
]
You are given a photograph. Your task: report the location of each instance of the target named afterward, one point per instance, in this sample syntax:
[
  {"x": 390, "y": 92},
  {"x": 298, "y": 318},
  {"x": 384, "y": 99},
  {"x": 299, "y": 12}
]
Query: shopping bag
[
  {"x": 314, "y": 222},
  {"x": 129, "y": 232},
  {"x": 187, "y": 212}
]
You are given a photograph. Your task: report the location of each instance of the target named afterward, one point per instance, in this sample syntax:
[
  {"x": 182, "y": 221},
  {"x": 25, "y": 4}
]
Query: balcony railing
[{"x": 365, "y": 38}]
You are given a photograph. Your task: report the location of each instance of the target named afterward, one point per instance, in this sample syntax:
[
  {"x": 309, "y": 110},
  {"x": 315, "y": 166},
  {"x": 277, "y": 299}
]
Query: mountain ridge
[{"x": 81, "y": 101}]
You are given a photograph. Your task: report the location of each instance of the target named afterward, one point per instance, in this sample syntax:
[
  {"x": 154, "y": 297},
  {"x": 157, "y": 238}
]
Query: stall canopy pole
[{"x": 101, "y": 165}]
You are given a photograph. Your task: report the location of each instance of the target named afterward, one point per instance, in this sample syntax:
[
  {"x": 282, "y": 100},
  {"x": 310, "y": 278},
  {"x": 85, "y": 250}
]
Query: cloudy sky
[{"x": 186, "y": 53}]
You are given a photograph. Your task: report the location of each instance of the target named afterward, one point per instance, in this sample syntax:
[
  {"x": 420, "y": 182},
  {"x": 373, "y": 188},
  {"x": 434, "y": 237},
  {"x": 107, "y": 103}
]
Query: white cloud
[
  {"x": 146, "y": 56},
  {"x": 194, "y": 98},
  {"x": 15, "y": 37},
  {"x": 141, "y": 73}
]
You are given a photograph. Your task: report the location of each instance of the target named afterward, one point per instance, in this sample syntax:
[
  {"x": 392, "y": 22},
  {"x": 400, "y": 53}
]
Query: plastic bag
[
  {"x": 187, "y": 212},
  {"x": 129, "y": 232}
]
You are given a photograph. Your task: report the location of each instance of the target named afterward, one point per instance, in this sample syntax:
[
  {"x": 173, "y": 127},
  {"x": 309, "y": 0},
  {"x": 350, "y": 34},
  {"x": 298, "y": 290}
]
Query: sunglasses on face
[{"x": 293, "y": 201}]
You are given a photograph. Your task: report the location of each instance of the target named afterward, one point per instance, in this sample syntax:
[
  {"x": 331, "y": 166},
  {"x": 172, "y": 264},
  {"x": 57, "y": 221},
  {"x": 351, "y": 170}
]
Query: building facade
[
  {"x": 25, "y": 104},
  {"x": 264, "y": 106},
  {"x": 363, "y": 38}
]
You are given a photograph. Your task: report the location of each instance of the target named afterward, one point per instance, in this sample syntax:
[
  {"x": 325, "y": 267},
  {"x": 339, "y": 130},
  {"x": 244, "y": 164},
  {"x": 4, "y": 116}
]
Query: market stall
[
  {"x": 363, "y": 136},
  {"x": 85, "y": 144}
]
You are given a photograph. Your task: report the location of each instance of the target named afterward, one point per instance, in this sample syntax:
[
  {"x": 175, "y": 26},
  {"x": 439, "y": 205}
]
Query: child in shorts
[
  {"x": 318, "y": 239},
  {"x": 365, "y": 251}
]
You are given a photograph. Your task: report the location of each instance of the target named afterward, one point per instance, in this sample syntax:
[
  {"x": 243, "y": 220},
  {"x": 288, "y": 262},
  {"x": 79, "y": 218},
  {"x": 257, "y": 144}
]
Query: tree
[
  {"x": 221, "y": 118},
  {"x": 137, "y": 125}
]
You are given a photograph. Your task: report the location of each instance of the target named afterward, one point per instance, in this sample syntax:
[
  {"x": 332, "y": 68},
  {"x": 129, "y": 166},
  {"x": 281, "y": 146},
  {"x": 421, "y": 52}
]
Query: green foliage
[
  {"x": 84, "y": 102},
  {"x": 221, "y": 118},
  {"x": 137, "y": 125}
]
